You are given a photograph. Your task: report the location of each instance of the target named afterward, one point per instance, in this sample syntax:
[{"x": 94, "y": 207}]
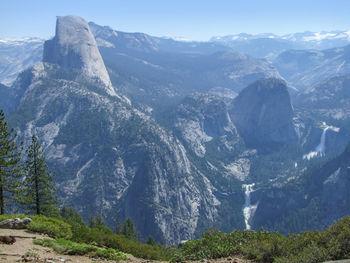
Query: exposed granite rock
[
  {"x": 203, "y": 117},
  {"x": 15, "y": 223},
  {"x": 263, "y": 113},
  {"x": 74, "y": 47}
]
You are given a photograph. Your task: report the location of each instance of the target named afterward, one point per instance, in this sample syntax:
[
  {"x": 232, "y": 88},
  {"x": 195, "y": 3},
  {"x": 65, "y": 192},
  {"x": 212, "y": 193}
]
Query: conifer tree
[
  {"x": 96, "y": 222},
  {"x": 118, "y": 226},
  {"x": 151, "y": 241},
  {"x": 9, "y": 160},
  {"x": 129, "y": 229},
  {"x": 71, "y": 216},
  {"x": 38, "y": 190}
]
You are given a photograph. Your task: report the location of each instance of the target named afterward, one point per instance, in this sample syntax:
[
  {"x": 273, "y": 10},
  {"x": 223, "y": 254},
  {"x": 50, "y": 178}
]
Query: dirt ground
[
  {"x": 24, "y": 246},
  {"x": 23, "y": 250}
]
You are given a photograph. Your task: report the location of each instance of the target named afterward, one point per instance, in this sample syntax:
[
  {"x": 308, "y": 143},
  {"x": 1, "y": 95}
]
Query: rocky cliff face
[
  {"x": 109, "y": 157},
  {"x": 313, "y": 200},
  {"x": 263, "y": 113},
  {"x": 74, "y": 47},
  {"x": 205, "y": 126},
  {"x": 202, "y": 118}
]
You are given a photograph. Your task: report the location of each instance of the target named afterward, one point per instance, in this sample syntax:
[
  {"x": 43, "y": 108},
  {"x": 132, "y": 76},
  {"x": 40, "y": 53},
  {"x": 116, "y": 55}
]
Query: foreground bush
[
  {"x": 53, "y": 227},
  {"x": 131, "y": 246},
  {"x": 259, "y": 246},
  {"x": 330, "y": 244},
  {"x": 75, "y": 230},
  {"x": 64, "y": 246}
]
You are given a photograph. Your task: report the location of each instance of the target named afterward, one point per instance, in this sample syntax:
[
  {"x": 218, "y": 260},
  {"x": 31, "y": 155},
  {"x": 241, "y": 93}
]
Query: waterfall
[
  {"x": 248, "y": 208},
  {"x": 321, "y": 147}
]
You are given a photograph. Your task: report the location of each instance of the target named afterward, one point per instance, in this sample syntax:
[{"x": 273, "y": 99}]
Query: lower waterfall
[{"x": 248, "y": 208}]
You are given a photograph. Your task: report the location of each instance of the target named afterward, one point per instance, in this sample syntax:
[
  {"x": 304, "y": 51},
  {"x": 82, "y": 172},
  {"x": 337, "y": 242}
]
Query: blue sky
[{"x": 192, "y": 19}]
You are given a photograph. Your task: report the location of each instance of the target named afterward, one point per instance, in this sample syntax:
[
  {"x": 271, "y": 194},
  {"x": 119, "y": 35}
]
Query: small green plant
[
  {"x": 51, "y": 226},
  {"x": 73, "y": 248},
  {"x": 31, "y": 254}
]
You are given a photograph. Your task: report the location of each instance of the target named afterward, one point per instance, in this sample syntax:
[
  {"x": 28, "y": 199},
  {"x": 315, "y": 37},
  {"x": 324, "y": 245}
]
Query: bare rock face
[
  {"x": 74, "y": 47},
  {"x": 15, "y": 223},
  {"x": 263, "y": 113}
]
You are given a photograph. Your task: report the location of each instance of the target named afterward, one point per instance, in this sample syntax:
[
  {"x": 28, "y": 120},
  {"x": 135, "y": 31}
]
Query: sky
[{"x": 191, "y": 19}]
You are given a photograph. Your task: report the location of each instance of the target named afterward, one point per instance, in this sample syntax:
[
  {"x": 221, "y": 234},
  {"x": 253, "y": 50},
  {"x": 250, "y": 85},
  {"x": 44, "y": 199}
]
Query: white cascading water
[
  {"x": 321, "y": 147},
  {"x": 248, "y": 208}
]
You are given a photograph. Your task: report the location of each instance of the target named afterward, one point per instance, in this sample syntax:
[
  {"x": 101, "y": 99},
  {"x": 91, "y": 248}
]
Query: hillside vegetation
[{"x": 74, "y": 237}]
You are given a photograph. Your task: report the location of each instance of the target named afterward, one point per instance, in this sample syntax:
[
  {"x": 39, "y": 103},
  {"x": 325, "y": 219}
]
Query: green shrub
[
  {"x": 330, "y": 244},
  {"x": 131, "y": 246},
  {"x": 51, "y": 226},
  {"x": 73, "y": 248},
  {"x": 214, "y": 244},
  {"x": 309, "y": 254},
  {"x": 337, "y": 238},
  {"x": 151, "y": 241},
  {"x": 45, "y": 225}
]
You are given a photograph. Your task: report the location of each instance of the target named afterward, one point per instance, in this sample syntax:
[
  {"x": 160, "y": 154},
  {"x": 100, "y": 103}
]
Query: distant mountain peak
[{"x": 74, "y": 47}]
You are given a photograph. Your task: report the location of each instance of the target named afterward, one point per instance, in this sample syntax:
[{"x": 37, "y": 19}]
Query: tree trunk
[
  {"x": 37, "y": 203},
  {"x": 2, "y": 210}
]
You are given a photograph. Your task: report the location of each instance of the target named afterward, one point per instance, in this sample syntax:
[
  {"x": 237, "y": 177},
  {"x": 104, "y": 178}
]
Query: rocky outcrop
[
  {"x": 202, "y": 118},
  {"x": 263, "y": 113},
  {"x": 113, "y": 160},
  {"x": 74, "y": 47},
  {"x": 15, "y": 223}
]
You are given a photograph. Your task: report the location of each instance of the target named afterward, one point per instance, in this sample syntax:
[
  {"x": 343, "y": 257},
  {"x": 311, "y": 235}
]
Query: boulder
[{"x": 15, "y": 223}]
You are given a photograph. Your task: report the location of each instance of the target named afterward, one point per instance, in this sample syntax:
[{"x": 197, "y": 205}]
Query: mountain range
[
  {"x": 177, "y": 135},
  {"x": 269, "y": 45}
]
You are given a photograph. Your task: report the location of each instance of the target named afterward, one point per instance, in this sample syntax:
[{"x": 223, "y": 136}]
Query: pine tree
[
  {"x": 71, "y": 216},
  {"x": 9, "y": 160},
  {"x": 151, "y": 241},
  {"x": 96, "y": 222},
  {"x": 129, "y": 229},
  {"x": 38, "y": 190},
  {"x": 118, "y": 227}
]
